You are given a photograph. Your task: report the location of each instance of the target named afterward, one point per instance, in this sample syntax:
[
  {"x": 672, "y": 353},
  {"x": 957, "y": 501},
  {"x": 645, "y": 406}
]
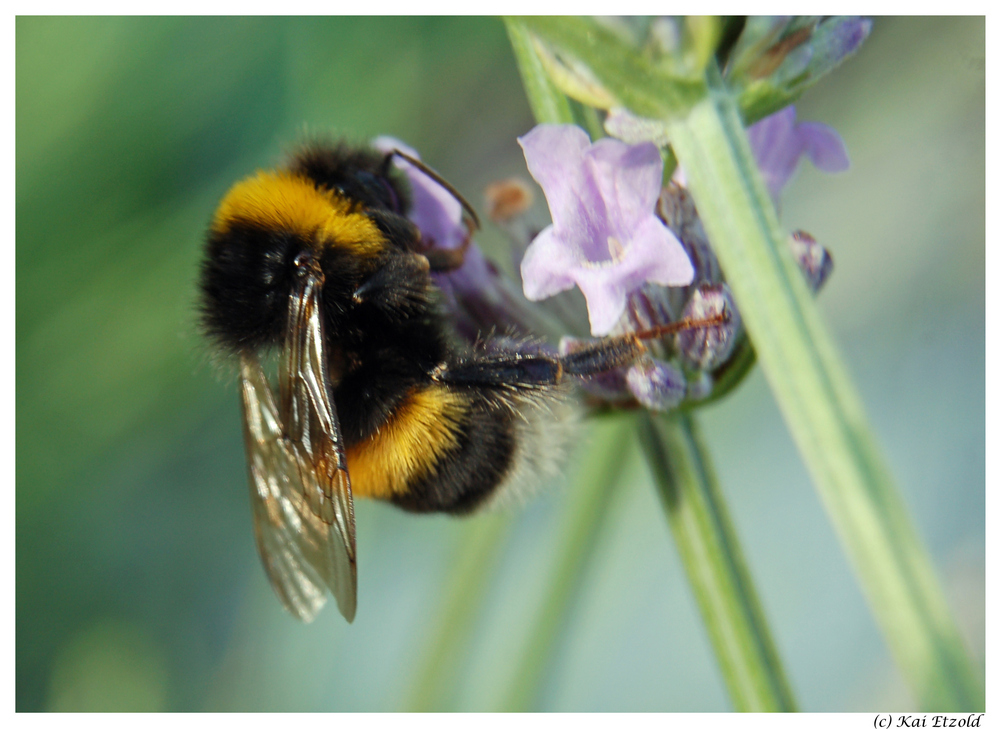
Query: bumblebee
[{"x": 376, "y": 397}]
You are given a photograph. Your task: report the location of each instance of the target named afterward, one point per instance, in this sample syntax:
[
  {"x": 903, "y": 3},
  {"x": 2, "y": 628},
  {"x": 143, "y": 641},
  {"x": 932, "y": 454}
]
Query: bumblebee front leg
[
  {"x": 401, "y": 286},
  {"x": 445, "y": 260},
  {"x": 406, "y": 238}
]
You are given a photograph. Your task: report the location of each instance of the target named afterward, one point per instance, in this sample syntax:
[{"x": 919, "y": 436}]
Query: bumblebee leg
[
  {"x": 444, "y": 260},
  {"x": 520, "y": 371},
  {"x": 401, "y": 286},
  {"x": 506, "y": 372}
]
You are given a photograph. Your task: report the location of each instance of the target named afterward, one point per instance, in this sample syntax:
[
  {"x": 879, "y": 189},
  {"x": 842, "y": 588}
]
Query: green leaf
[
  {"x": 701, "y": 37},
  {"x": 547, "y": 103},
  {"x": 648, "y": 88}
]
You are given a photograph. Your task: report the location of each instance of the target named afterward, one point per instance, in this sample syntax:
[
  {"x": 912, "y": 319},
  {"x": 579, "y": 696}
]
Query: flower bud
[
  {"x": 776, "y": 59},
  {"x": 814, "y": 260},
  {"x": 706, "y": 347},
  {"x": 655, "y": 384}
]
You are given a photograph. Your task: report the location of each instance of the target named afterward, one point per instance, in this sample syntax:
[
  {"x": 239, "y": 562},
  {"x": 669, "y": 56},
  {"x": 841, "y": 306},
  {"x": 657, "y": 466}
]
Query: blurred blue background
[{"x": 138, "y": 584}]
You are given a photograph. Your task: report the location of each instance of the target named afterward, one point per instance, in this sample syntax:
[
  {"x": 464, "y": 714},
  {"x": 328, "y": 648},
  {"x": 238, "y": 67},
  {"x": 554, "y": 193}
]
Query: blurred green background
[{"x": 138, "y": 584}]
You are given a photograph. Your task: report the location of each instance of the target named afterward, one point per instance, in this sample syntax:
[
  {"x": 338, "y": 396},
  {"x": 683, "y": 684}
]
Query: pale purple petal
[
  {"x": 778, "y": 143},
  {"x": 605, "y": 299},
  {"x": 628, "y": 179},
  {"x": 658, "y": 255},
  {"x": 654, "y": 254},
  {"x": 776, "y": 148},
  {"x": 554, "y": 154},
  {"x": 824, "y": 146},
  {"x": 435, "y": 211},
  {"x": 604, "y": 235},
  {"x": 546, "y": 265}
]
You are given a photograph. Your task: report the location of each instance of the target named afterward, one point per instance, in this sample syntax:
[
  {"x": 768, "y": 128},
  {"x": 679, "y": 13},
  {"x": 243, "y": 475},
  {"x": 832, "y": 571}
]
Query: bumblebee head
[{"x": 260, "y": 229}]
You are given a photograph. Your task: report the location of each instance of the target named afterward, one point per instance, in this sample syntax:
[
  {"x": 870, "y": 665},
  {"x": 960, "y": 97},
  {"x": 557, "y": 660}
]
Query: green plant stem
[
  {"x": 589, "y": 505},
  {"x": 751, "y": 668},
  {"x": 820, "y": 404},
  {"x": 548, "y": 104},
  {"x": 714, "y": 563},
  {"x": 438, "y": 671}
]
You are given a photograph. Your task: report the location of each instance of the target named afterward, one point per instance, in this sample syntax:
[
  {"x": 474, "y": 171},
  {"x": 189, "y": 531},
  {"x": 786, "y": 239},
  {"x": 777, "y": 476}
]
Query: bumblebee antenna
[{"x": 443, "y": 183}]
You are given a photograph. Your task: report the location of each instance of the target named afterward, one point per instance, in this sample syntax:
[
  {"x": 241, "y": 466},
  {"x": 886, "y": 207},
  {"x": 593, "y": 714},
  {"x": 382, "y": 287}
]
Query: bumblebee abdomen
[
  {"x": 414, "y": 444},
  {"x": 451, "y": 449}
]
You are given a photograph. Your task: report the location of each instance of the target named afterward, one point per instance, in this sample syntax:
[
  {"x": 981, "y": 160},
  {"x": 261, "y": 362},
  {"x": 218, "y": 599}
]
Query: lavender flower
[
  {"x": 778, "y": 142},
  {"x": 475, "y": 295},
  {"x": 604, "y": 237},
  {"x": 438, "y": 215},
  {"x": 435, "y": 210}
]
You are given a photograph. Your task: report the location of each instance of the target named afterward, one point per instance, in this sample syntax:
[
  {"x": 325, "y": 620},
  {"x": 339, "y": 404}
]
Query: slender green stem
[
  {"x": 589, "y": 505},
  {"x": 821, "y": 405},
  {"x": 739, "y": 635},
  {"x": 548, "y": 104},
  {"x": 587, "y": 118},
  {"x": 714, "y": 563},
  {"x": 438, "y": 671}
]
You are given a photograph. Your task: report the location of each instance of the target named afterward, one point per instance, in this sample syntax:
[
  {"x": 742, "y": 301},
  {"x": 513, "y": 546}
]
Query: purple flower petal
[
  {"x": 555, "y": 157},
  {"x": 824, "y": 146},
  {"x": 658, "y": 256},
  {"x": 606, "y": 297},
  {"x": 778, "y": 143},
  {"x": 776, "y": 148},
  {"x": 604, "y": 236},
  {"x": 628, "y": 179},
  {"x": 545, "y": 266},
  {"x": 435, "y": 211}
]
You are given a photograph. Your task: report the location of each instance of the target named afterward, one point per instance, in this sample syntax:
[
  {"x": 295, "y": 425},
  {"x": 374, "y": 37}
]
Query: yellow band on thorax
[{"x": 290, "y": 202}]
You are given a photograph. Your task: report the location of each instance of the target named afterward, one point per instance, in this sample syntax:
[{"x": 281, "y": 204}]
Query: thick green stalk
[
  {"x": 820, "y": 404},
  {"x": 589, "y": 505},
  {"x": 714, "y": 563},
  {"x": 735, "y": 622}
]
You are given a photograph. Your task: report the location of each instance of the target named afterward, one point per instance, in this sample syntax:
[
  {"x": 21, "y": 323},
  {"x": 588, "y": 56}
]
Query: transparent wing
[{"x": 300, "y": 492}]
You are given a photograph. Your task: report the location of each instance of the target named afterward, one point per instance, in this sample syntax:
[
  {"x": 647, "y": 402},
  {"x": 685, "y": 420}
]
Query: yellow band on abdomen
[{"x": 409, "y": 446}]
